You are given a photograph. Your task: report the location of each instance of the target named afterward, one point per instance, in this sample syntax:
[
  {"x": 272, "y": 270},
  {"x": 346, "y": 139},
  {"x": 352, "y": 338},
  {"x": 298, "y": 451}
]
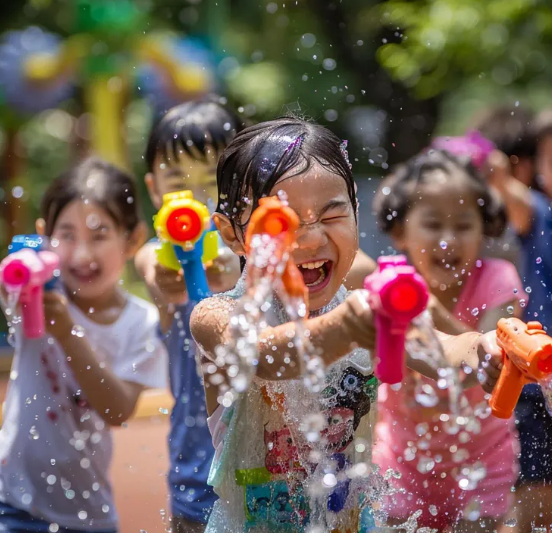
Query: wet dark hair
[
  {"x": 99, "y": 182},
  {"x": 511, "y": 129},
  {"x": 397, "y": 192},
  {"x": 260, "y": 155},
  {"x": 192, "y": 127}
]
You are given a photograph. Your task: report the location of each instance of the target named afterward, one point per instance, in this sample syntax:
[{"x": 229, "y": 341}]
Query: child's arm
[
  {"x": 516, "y": 196},
  {"x": 111, "y": 397},
  {"x": 363, "y": 266},
  {"x": 444, "y": 320},
  {"x": 334, "y": 334},
  {"x": 165, "y": 286}
]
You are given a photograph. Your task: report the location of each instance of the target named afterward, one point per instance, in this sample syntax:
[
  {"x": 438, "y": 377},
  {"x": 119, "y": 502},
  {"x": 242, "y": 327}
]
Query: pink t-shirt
[{"x": 492, "y": 283}]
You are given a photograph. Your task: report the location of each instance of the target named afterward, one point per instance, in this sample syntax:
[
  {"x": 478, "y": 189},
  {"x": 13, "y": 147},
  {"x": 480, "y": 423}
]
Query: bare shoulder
[{"x": 209, "y": 321}]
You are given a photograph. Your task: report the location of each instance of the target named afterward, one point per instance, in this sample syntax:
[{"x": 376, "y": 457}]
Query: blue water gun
[{"x": 188, "y": 240}]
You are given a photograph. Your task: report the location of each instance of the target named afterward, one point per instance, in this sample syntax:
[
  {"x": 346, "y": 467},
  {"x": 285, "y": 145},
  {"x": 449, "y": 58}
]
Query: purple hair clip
[
  {"x": 345, "y": 153},
  {"x": 472, "y": 145}
]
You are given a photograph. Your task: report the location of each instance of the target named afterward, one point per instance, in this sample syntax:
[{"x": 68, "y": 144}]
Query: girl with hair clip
[
  {"x": 262, "y": 469},
  {"x": 438, "y": 210}
]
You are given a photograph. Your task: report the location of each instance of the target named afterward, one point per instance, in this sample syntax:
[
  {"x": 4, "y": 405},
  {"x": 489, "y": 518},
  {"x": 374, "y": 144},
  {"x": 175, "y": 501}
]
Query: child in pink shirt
[{"x": 438, "y": 210}]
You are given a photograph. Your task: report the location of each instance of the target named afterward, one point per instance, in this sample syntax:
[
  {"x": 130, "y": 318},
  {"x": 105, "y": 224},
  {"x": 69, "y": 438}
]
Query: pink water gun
[
  {"x": 398, "y": 294},
  {"x": 26, "y": 272}
]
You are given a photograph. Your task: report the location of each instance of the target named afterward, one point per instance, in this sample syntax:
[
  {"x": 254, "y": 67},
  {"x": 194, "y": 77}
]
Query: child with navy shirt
[{"x": 182, "y": 153}]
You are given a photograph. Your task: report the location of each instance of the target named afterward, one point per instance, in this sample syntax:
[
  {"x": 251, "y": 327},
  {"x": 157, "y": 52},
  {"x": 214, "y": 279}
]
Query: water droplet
[
  {"x": 475, "y": 311},
  {"x": 386, "y": 191},
  {"x": 523, "y": 302},
  {"x": 472, "y": 512},
  {"x": 93, "y": 221},
  {"x": 433, "y": 510},
  {"x": 26, "y": 499},
  {"x": 53, "y": 528},
  {"x": 539, "y": 260},
  {"x": 330, "y": 480},
  {"x": 105, "y": 508},
  {"x": 51, "y": 479},
  {"x": 83, "y": 515},
  {"x": 163, "y": 411},
  {"x": 443, "y": 245},
  {"x": 17, "y": 192},
  {"x": 528, "y": 290},
  {"x": 515, "y": 291},
  {"x": 13, "y": 375},
  {"x": 480, "y": 202},
  {"x": 510, "y": 309},
  {"x": 78, "y": 331},
  {"x": 33, "y": 433},
  {"x": 511, "y": 522},
  {"x": 425, "y": 465},
  {"x": 130, "y": 200}
]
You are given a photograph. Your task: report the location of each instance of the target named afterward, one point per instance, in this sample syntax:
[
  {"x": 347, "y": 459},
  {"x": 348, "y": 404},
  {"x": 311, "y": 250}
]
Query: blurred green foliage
[{"x": 441, "y": 43}]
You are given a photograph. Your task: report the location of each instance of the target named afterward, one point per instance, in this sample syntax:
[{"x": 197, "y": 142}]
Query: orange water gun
[
  {"x": 278, "y": 221},
  {"x": 527, "y": 357}
]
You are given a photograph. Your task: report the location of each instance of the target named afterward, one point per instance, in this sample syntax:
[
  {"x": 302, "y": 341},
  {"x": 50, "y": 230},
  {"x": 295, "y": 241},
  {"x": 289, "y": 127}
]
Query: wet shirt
[
  {"x": 265, "y": 465},
  {"x": 405, "y": 421},
  {"x": 190, "y": 448},
  {"x": 55, "y": 451}
]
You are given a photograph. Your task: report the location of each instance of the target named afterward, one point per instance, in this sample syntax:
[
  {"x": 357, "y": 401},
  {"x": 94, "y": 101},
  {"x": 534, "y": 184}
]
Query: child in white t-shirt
[{"x": 100, "y": 351}]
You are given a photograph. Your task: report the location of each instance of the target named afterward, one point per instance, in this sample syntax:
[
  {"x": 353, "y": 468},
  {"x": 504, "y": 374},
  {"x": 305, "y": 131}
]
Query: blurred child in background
[
  {"x": 511, "y": 129},
  {"x": 438, "y": 210},
  {"x": 530, "y": 215},
  {"x": 182, "y": 153},
  {"x": 101, "y": 349}
]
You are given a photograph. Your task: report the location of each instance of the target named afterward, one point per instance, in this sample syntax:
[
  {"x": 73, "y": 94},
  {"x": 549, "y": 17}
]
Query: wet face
[
  {"x": 184, "y": 173},
  {"x": 92, "y": 249},
  {"x": 443, "y": 231},
  {"x": 544, "y": 164},
  {"x": 327, "y": 239}
]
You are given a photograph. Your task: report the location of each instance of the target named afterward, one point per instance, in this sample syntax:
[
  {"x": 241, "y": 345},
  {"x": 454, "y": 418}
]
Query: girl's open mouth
[{"x": 316, "y": 274}]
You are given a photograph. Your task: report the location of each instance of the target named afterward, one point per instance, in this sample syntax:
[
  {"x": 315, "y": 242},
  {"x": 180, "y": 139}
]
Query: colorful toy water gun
[
  {"x": 25, "y": 273},
  {"x": 277, "y": 220},
  {"x": 38, "y": 243},
  {"x": 188, "y": 240},
  {"x": 527, "y": 359},
  {"x": 472, "y": 145},
  {"x": 397, "y": 294}
]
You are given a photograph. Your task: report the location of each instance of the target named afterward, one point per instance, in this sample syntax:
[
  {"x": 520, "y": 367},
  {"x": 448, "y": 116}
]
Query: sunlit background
[
  {"x": 90, "y": 75},
  {"x": 81, "y": 76}
]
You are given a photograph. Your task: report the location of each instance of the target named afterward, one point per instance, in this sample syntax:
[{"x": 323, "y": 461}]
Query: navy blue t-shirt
[
  {"x": 536, "y": 270},
  {"x": 537, "y": 262},
  {"x": 190, "y": 446}
]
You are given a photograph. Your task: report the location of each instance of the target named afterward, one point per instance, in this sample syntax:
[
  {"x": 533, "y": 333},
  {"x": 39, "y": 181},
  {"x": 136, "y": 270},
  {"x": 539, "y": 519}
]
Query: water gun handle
[
  {"x": 390, "y": 343},
  {"x": 507, "y": 390},
  {"x": 194, "y": 272},
  {"x": 32, "y": 311}
]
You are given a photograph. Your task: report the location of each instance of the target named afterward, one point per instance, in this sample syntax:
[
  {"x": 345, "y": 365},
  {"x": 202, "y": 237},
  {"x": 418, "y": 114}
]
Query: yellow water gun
[{"x": 188, "y": 240}]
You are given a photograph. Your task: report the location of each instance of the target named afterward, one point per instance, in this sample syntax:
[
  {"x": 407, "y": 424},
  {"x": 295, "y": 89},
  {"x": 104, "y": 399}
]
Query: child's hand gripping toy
[
  {"x": 185, "y": 230},
  {"x": 527, "y": 359},
  {"x": 397, "y": 295},
  {"x": 25, "y": 272}
]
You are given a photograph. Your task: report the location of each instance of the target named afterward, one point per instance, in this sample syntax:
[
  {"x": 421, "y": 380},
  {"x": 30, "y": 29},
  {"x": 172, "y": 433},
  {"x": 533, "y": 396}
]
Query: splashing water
[{"x": 11, "y": 311}]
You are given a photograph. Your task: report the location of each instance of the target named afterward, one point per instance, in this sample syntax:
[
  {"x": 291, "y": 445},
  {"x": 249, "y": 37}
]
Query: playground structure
[{"x": 109, "y": 55}]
